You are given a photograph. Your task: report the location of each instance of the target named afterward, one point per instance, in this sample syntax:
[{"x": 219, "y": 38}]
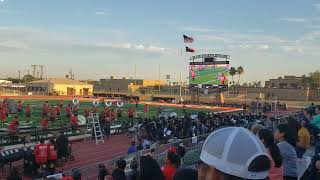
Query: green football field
[
  {"x": 37, "y": 112},
  {"x": 208, "y": 76}
]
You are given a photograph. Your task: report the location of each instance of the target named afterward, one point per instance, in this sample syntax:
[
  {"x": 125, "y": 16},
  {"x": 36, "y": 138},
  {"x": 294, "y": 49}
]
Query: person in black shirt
[{"x": 62, "y": 143}]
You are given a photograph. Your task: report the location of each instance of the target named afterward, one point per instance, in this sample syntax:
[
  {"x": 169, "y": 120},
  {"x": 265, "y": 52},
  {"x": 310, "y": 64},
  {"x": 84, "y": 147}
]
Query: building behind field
[
  {"x": 124, "y": 85},
  {"x": 59, "y": 86}
]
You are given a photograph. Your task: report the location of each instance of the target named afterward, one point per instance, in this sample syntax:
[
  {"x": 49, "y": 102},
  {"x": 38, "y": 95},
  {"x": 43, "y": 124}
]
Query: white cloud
[
  {"x": 295, "y": 48},
  {"x": 26, "y": 39},
  {"x": 294, "y": 20},
  {"x": 197, "y": 29},
  {"x": 263, "y": 47},
  {"x": 102, "y": 13},
  {"x": 138, "y": 47},
  {"x": 1, "y": 0}
]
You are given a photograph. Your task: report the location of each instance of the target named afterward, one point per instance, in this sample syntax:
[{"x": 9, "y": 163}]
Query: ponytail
[
  {"x": 275, "y": 154},
  {"x": 268, "y": 139}
]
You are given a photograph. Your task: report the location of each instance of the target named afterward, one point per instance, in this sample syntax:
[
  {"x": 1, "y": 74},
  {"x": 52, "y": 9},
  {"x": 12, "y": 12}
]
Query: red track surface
[{"x": 87, "y": 153}]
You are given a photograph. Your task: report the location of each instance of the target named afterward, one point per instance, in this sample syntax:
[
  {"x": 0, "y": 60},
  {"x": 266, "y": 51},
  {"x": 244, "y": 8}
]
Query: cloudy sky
[{"x": 99, "y": 38}]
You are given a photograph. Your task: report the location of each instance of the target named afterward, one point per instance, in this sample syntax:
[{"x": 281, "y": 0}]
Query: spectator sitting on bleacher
[
  {"x": 316, "y": 119},
  {"x": 149, "y": 169},
  {"x": 76, "y": 174},
  {"x": 288, "y": 152},
  {"x": 303, "y": 140},
  {"x": 41, "y": 153},
  {"x": 133, "y": 174},
  {"x": 118, "y": 173},
  {"x": 132, "y": 148},
  {"x": 233, "y": 153},
  {"x": 267, "y": 138},
  {"x": 172, "y": 163}
]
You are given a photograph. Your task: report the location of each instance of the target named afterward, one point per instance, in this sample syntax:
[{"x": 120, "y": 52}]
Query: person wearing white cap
[{"x": 233, "y": 153}]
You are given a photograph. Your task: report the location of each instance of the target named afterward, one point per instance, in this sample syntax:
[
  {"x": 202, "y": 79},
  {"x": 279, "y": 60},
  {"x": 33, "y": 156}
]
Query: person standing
[
  {"x": 68, "y": 111},
  {"x": 45, "y": 108},
  {"x": 19, "y": 108},
  {"x": 146, "y": 110},
  {"x": 28, "y": 111}
]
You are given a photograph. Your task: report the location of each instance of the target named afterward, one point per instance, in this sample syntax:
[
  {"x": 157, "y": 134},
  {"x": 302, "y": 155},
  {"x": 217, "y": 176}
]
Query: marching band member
[{"x": 28, "y": 111}]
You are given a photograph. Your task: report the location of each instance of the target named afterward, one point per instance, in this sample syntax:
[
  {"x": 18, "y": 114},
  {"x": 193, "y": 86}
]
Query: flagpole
[
  {"x": 135, "y": 74},
  {"x": 180, "y": 87},
  {"x": 159, "y": 76}
]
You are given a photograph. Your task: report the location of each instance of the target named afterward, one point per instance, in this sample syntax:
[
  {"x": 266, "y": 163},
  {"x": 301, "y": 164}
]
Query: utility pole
[
  {"x": 180, "y": 87},
  {"x": 34, "y": 68},
  {"x": 19, "y": 77}
]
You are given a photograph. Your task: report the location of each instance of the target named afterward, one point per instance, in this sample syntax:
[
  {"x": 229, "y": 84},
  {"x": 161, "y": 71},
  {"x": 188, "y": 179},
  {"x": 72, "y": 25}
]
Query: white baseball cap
[{"x": 232, "y": 150}]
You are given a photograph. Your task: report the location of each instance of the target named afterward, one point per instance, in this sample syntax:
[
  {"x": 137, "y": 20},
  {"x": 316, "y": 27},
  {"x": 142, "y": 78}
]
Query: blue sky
[{"x": 99, "y": 38}]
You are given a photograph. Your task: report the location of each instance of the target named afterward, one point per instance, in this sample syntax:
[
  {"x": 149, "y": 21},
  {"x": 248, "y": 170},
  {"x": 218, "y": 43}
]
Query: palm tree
[
  {"x": 306, "y": 81},
  {"x": 232, "y": 72},
  {"x": 240, "y": 71}
]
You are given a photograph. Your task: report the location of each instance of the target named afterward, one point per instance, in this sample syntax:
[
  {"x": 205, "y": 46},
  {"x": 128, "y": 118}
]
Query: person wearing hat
[{"x": 233, "y": 153}]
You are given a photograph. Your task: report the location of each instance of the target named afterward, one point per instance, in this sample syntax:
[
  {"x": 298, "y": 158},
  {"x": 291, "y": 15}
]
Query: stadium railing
[{"x": 157, "y": 151}]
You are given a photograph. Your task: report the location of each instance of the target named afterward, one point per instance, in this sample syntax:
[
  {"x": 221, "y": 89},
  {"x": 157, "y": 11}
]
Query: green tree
[
  {"x": 232, "y": 72},
  {"x": 14, "y": 80},
  {"x": 306, "y": 82},
  {"x": 240, "y": 71},
  {"x": 28, "y": 78}
]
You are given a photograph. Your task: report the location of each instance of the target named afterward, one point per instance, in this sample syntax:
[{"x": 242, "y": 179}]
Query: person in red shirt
[
  {"x": 146, "y": 110},
  {"x": 73, "y": 120},
  {"x": 3, "y": 115},
  {"x": 45, "y": 109},
  {"x": 28, "y": 111},
  {"x": 172, "y": 163},
  {"x": 223, "y": 78},
  {"x": 41, "y": 153},
  {"x": 68, "y": 111},
  {"x": 14, "y": 125},
  {"x": 5, "y": 108},
  {"x": 112, "y": 115},
  {"x": 44, "y": 123},
  {"x": 19, "y": 108},
  {"x": 130, "y": 113},
  {"x": 52, "y": 155}
]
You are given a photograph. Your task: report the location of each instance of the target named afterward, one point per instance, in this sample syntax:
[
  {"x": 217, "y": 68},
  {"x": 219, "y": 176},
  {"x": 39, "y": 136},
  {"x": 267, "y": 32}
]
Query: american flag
[
  {"x": 187, "y": 39},
  {"x": 189, "y": 49}
]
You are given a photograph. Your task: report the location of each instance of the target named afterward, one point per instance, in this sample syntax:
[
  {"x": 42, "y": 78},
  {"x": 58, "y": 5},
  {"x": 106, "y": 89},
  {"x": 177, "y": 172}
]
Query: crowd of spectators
[{"x": 270, "y": 151}]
